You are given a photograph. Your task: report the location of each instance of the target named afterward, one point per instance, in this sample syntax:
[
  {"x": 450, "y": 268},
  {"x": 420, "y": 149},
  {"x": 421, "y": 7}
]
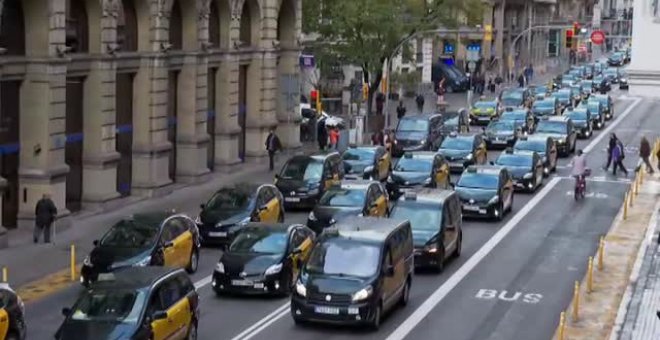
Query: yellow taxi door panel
[
  {"x": 183, "y": 246},
  {"x": 163, "y": 329},
  {"x": 379, "y": 207},
  {"x": 273, "y": 210},
  {"x": 170, "y": 256},
  {"x": 182, "y": 317},
  {"x": 441, "y": 176},
  {"x": 4, "y": 323}
]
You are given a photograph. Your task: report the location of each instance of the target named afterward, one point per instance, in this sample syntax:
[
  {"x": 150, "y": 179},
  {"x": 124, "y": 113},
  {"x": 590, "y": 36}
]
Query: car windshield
[
  {"x": 414, "y": 165},
  {"x": 229, "y": 199},
  {"x": 514, "y": 160},
  {"x": 359, "y": 154},
  {"x": 421, "y": 216},
  {"x": 610, "y": 72},
  {"x": 484, "y": 105},
  {"x": 308, "y": 169},
  {"x": 457, "y": 144},
  {"x": 343, "y": 198},
  {"x": 593, "y": 106},
  {"x": 576, "y": 114},
  {"x": 587, "y": 85},
  {"x": 564, "y": 94},
  {"x": 527, "y": 145},
  {"x": 123, "y": 306},
  {"x": 544, "y": 104},
  {"x": 479, "y": 181},
  {"x": 259, "y": 241},
  {"x": 551, "y": 127},
  {"x": 413, "y": 124},
  {"x": 513, "y": 116},
  {"x": 501, "y": 126},
  {"x": 130, "y": 234},
  {"x": 344, "y": 257},
  {"x": 512, "y": 94}
]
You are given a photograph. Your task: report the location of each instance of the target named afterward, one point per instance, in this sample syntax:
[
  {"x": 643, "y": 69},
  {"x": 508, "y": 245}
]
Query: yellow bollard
[
  {"x": 625, "y": 206},
  {"x": 576, "y": 300},
  {"x": 641, "y": 175},
  {"x": 73, "y": 262},
  {"x": 631, "y": 196},
  {"x": 562, "y": 325},
  {"x": 5, "y": 275},
  {"x": 601, "y": 251},
  {"x": 637, "y": 185},
  {"x": 590, "y": 275}
]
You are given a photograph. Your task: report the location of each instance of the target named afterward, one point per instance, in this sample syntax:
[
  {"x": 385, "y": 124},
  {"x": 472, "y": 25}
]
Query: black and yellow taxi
[
  {"x": 608, "y": 106},
  {"x": 596, "y": 112},
  {"x": 546, "y": 107},
  {"x": 230, "y": 208},
  {"x": 367, "y": 162},
  {"x": 437, "y": 225},
  {"x": 418, "y": 133},
  {"x": 523, "y": 118},
  {"x": 264, "y": 258},
  {"x": 463, "y": 150},
  {"x": 349, "y": 198},
  {"x": 146, "y": 239},
  {"x": 12, "y": 314},
  {"x": 501, "y": 133},
  {"x": 303, "y": 179},
  {"x": 358, "y": 271},
  {"x": 486, "y": 191},
  {"x": 545, "y": 147},
  {"x": 422, "y": 168},
  {"x": 576, "y": 94},
  {"x": 560, "y": 129},
  {"x": 484, "y": 111},
  {"x": 565, "y": 97},
  {"x": 539, "y": 92},
  {"x": 525, "y": 168},
  {"x": 151, "y": 303},
  {"x": 582, "y": 121}
]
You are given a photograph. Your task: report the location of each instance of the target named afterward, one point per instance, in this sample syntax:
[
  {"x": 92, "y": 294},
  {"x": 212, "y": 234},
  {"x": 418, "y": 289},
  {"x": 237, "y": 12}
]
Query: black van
[
  {"x": 359, "y": 269},
  {"x": 303, "y": 179},
  {"x": 418, "y": 133},
  {"x": 436, "y": 220},
  {"x": 455, "y": 80}
]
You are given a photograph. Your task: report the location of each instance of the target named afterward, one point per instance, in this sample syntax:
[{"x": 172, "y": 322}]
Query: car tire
[
  {"x": 298, "y": 321},
  {"x": 375, "y": 323},
  {"x": 459, "y": 244},
  {"x": 192, "y": 331},
  {"x": 450, "y": 89},
  {"x": 510, "y": 209},
  {"x": 440, "y": 267},
  {"x": 500, "y": 212},
  {"x": 405, "y": 294},
  {"x": 193, "y": 264}
]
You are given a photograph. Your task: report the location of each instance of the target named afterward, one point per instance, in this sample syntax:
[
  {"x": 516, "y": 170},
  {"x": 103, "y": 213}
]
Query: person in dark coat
[
  {"x": 45, "y": 213},
  {"x": 521, "y": 80},
  {"x": 618, "y": 155},
  {"x": 273, "y": 145},
  {"x": 610, "y": 149},
  {"x": 322, "y": 134},
  {"x": 380, "y": 100},
  {"x": 420, "y": 102},
  {"x": 645, "y": 153},
  {"x": 400, "y": 110}
]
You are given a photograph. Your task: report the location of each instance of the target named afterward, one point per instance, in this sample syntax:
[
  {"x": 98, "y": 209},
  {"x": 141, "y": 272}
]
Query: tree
[{"x": 367, "y": 32}]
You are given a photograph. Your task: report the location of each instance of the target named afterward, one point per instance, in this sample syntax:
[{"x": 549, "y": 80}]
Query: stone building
[{"x": 107, "y": 98}]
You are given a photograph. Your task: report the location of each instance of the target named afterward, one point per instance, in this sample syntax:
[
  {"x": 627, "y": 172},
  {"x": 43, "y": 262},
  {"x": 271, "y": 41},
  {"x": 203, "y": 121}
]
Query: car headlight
[
  {"x": 244, "y": 221},
  {"x": 144, "y": 262},
  {"x": 219, "y": 267},
  {"x": 545, "y": 159},
  {"x": 87, "y": 262},
  {"x": 427, "y": 181},
  {"x": 468, "y": 157},
  {"x": 422, "y": 142},
  {"x": 332, "y": 221},
  {"x": 528, "y": 175},
  {"x": 494, "y": 200},
  {"x": 362, "y": 294},
  {"x": 368, "y": 169},
  {"x": 624, "y": 79},
  {"x": 300, "y": 289},
  {"x": 561, "y": 141},
  {"x": 431, "y": 248},
  {"x": 274, "y": 269},
  {"x": 311, "y": 216},
  {"x": 390, "y": 180}
]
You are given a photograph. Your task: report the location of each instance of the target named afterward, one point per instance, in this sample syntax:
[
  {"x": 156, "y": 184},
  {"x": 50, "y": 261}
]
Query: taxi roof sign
[
  {"x": 106, "y": 277},
  {"x": 509, "y": 150},
  {"x": 410, "y": 196},
  {"x": 453, "y": 134}
]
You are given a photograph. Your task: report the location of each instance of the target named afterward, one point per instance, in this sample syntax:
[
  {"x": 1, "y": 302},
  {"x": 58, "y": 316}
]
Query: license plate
[
  {"x": 218, "y": 234},
  {"x": 292, "y": 199},
  {"x": 326, "y": 310},
  {"x": 241, "y": 283},
  {"x": 258, "y": 286},
  {"x": 499, "y": 141},
  {"x": 470, "y": 208}
]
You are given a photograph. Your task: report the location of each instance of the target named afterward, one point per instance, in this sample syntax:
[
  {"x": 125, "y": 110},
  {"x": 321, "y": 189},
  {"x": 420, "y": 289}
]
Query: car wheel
[
  {"x": 405, "y": 294},
  {"x": 441, "y": 260},
  {"x": 375, "y": 323},
  {"x": 459, "y": 244},
  {"x": 192, "y": 332},
  {"x": 510, "y": 209},
  {"x": 194, "y": 261},
  {"x": 450, "y": 89}
]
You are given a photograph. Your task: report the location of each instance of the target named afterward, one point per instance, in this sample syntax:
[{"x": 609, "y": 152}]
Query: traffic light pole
[{"x": 526, "y": 31}]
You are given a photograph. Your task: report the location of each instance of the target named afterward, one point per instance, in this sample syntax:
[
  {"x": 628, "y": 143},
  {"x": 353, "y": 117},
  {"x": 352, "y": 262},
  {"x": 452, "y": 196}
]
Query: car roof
[
  {"x": 273, "y": 227},
  {"x": 151, "y": 217},
  {"x": 485, "y": 169},
  {"x": 421, "y": 116},
  {"x": 535, "y": 138},
  {"x": 133, "y": 277},
  {"x": 244, "y": 188},
  {"x": 323, "y": 156},
  {"x": 558, "y": 119},
  {"x": 359, "y": 184},
  {"x": 526, "y": 153},
  {"x": 427, "y": 195},
  {"x": 369, "y": 229},
  {"x": 420, "y": 154}
]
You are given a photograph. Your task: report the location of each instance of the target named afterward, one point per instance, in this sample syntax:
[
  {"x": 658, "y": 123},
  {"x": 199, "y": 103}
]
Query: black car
[
  {"x": 516, "y": 97},
  {"x": 422, "y": 168},
  {"x": 230, "y": 208},
  {"x": 418, "y": 133},
  {"x": 367, "y": 162},
  {"x": 264, "y": 258},
  {"x": 452, "y": 126},
  {"x": 303, "y": 179},
  {"x": 526, "y": 168},
  {"x": 12, "y": 314},
  {"x": 565, "y": 97},
  {"x": 146, "y": 239},
  {"x": 582, "y": 121},
  {"x": 602, "y": 84},
  {"x": 545, "y": 147},
  {"x": 134, "y": 303},
  {"x": 523, "y": 119},
  {"x": 616, "y": 59},
  {"x": 546, "y": 107},
  {"x": 623, "y": 81},
  {"x": 561, "y": 130},
  {"x": 597, "y": 113},
  {"x": 463, "y": 150},
  {"x": 611, "y": 74},
  {"x": 486, "y": 191},
  {"x": 350, "y": 198},
  {"x": 501, "y": 133},
  {"x": 357, "y": 272},
  {"x": 437, "y": 225},
  {"x": 608, "y": 105}
]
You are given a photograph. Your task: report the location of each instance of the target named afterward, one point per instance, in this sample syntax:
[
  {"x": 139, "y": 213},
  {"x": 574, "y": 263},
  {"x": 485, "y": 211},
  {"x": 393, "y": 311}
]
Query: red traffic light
[
  {"x": 314, "y": 94},
  {"x": 569, "y": 34}
]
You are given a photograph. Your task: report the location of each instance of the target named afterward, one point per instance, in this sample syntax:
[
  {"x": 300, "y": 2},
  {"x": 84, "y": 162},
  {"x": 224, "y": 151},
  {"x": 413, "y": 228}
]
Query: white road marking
[
  {"x": 611, "y": 126},
  {"x": 598, "y": 195},
  {"x": 601, "y": 179},
  {"x": 491, "y": 294},
  {"x": 203, "y": 282},
  {"x": 263, "y": 323}
]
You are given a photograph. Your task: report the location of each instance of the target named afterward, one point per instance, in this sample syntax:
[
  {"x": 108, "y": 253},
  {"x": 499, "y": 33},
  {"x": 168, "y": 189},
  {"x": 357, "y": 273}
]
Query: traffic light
[
  {"x": 569, "y": 38},
  {"x": 365, "y": 91},
  {"x": 315, "y": 97},
  {"x": 576, "y": 29}
]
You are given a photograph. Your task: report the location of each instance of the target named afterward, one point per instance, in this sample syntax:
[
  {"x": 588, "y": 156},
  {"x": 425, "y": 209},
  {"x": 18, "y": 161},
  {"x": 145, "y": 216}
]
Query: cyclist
[{"x": 579, "y": 167}]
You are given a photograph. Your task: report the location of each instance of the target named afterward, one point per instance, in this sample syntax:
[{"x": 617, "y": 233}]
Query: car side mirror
[
  {"x": 389, "y": 271},
  {"x": 168, "y": 244},
  {"x": 159, "y": 315},
  {"x": 96, "y": 243},
  {"x": 66, "y": 311},
  {"x": 296, "y": 251},
  {"x": 277, "y": 176}
]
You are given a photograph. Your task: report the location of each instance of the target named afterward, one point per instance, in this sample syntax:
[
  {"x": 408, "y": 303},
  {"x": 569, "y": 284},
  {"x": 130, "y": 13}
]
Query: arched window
[
  {"x": 76, "y": 26},
  {"x": 286, "y": 24},
  {"x": 175, "y": 33},
  {"x": 127, "y": 28},
  {"x": 246, "y": 33},
  {"x": 12, "y": 30},
  {"x": 214, "y": 25}
]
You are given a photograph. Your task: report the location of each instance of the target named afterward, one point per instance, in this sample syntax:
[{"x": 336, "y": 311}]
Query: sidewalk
[{"x": 27, "y": 262}]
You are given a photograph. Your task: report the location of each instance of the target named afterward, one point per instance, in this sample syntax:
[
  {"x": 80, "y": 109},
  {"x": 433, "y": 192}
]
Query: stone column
[
  {"x": 226, "y": 113},
  {"x": 260, "y": 108},
  {"x": 287, "y": 108},
  {"x": 644, "y": 69},
  {"x": 487, "y": 45}
]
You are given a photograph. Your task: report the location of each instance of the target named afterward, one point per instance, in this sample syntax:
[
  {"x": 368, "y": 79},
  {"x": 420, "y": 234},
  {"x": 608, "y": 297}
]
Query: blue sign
[
  {"x": 307, "y": 61},
  {"x": 448, "y": 48},
  {"x": 474, "y": 47}
]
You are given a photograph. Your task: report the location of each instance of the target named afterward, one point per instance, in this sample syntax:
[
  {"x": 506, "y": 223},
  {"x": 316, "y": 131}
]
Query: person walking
[
  {"x": 420, "y": 102},
  {"x": 45, "y": 213},
  {"x": 617, "y": 157},
  {"x": 645, "y": 153},
  {"x": 610, "y": 149},
  {"x": 273, "y": 145},
  {"x": 441, "y": 93},
  {"x": 334, "y": 138},
  {"x": 322, "y": 134},
  {"x": 521, "y": 80},
  {"x": 380, "y": 100},
  {"x": 400, "y": 110}
]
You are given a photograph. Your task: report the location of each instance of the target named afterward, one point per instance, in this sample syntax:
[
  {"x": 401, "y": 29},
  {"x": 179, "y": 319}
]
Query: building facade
[
  {"x": 107, "y": 98},
  {"x": 644, "y": 69}
]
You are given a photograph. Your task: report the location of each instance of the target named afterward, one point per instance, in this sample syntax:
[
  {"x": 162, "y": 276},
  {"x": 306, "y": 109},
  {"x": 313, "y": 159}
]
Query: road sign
[{"x": 597, "y": 37}]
